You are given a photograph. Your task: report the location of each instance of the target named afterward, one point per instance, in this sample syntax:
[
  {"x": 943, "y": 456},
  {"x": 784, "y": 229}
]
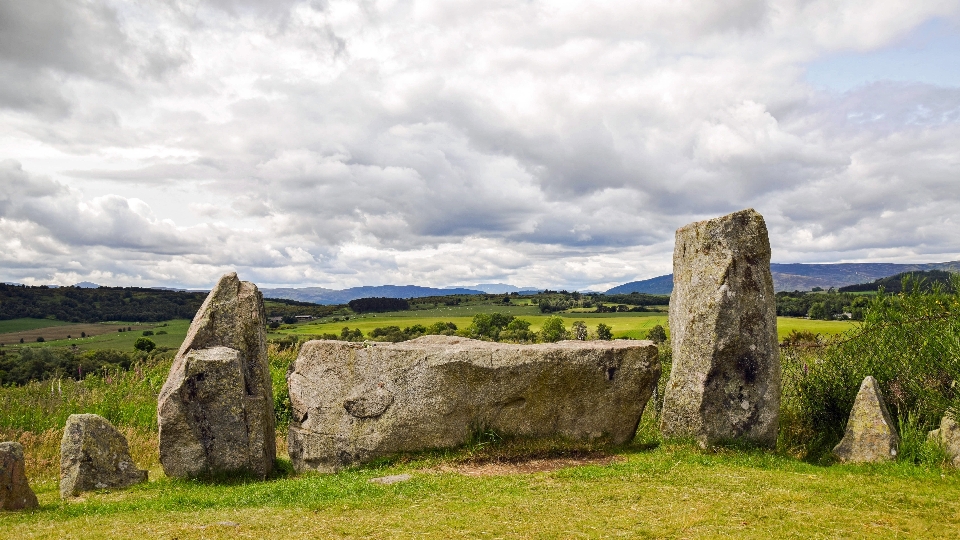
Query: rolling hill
[{"x": 803, "y": 277}]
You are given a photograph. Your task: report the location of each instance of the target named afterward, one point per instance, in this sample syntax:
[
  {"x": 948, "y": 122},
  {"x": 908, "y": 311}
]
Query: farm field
[
  {"x": 630, "y": 325},
  {"x": 20, "y": 325},
  {"x": 99, "y": 335}
]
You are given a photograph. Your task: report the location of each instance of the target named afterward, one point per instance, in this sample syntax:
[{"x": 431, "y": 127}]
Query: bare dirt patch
[{"x": 526, "y": 466}]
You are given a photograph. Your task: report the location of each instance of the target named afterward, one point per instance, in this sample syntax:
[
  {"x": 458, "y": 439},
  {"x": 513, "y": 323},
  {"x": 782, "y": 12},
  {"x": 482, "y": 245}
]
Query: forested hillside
[{"x": 87, "y": 305}]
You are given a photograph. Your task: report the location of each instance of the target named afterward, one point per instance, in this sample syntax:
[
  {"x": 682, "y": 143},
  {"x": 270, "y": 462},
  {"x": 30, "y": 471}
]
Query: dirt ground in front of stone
[{"x": 527, "y": 466}]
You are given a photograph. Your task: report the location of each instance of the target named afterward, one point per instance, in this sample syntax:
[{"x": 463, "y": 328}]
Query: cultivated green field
[
  {"x": 631, "y": 325},
  {"x": 20, "y": 325},
  {"x": 176, "y": 331}
]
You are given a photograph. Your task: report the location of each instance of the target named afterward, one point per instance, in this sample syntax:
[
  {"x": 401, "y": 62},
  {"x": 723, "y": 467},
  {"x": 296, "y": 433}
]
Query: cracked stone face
[
  {"x": 356, "y": 402},
  {"x": 725, "y": 381},
  {"x": 215, "y": 409}
]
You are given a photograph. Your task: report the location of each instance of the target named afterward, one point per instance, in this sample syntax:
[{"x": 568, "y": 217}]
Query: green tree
[
  {"x": 657, "y": 334},
  {"x": 144, "y": 344},
  {"x": 817, "y": 311},
  {"x": 553, "y": 330},
  {"x": 604, "y": 332},
  {"x": 579, "y": 330},
  {"x": 518, "y": 331}
]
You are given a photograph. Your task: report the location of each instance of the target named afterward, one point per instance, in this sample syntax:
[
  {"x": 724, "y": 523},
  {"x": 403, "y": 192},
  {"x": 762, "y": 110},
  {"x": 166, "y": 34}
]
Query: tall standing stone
[
  {"x": 725, "y": 381},
  {"x": 94, "y": 455},
  {"x": 15, "y": 492},
  {"x": 216, "y": 408},
  {"x": 870, "y": 436}
]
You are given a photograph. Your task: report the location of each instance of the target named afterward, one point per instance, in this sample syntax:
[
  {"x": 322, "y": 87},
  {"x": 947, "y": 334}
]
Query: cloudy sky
[{"x": 329, "y": 143}]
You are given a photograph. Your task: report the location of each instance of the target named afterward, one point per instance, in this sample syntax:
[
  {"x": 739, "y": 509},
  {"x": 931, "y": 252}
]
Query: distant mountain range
[
  {"x": 320, "y": 295},
  {"x": 803, "y": 277},
  {"x": 501, "y": 288}
]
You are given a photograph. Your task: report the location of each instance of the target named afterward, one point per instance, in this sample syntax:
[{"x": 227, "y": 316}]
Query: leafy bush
[
  {"x": 144, "y": 344},
  {"x": 909, "y": 342},
  {"x": 518, "y": 331},
  {"x": 579, "y": 329},
  {"x": 553, "y": 330},
  {"x": 657, "y": 334},
  {"x": 604, "y": 332}
]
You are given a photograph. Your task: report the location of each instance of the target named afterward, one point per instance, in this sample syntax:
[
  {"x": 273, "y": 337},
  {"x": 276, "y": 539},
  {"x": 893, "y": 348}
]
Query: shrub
[
  {"x": 40, "y": 339},
  {"x": 579, "y": 329},
  {"x": 148, "y": 332},
  {"x": 909, "y": 342},
  {"x": 604, "y": 332},
  {"x": 518, "y": 331},
  {"x": 657, "y": 334},
  {"x": 144, "y": 344},
  {"x": 553, "y": 330}
]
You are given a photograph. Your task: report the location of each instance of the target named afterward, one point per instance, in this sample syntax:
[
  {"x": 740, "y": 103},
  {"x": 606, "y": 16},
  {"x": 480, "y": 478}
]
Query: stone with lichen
[
  {"x": 870, "y": 436},
  {"x": 15, "y": 492},
  {"x": 948, "y": 437},
  {"x": 215, "y": 409},
  {"x": 93, "y": 456},
  {"x": 355, "y": 402},
  {"x": 725, "y": 382}
]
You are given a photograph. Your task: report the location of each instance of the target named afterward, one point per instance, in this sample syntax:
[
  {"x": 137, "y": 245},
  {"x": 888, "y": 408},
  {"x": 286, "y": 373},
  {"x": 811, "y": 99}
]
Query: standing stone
[
  {"x": 948, "y": 436},
  {"x": 216, "y": 407},
  {"x": 725, "y": 382},
  {"x": 15, "y": 492},
  {"x": 870, "y": 436},
  {"x": 94, "y": 455},
  {"x": 355, "y": 402}
]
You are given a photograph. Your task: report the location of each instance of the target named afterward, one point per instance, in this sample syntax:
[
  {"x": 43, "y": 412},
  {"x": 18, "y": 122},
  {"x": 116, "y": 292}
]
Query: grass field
[
  {"x": 632, "y": 325},
  {"x": 21, "y": 325},
  {"x": 101, "y": 335},
  {"x": 648, "y": 491}
]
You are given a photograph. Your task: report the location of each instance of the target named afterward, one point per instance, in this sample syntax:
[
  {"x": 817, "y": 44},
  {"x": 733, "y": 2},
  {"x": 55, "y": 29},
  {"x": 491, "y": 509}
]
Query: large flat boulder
[
  {"x": 870, "y": 436},
  {"x": 216, "y": 408},
  {"x": 15, "y": 492},
  {"x": 356, "y": 402},
  {"x": 725, "y": 381},
  {"x": 94, "y": 455}
]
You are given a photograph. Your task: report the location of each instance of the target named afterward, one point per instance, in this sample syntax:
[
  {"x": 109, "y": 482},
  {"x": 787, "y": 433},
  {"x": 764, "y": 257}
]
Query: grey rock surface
[
  {"x": 948, "y": 436},
  {"x": 870, "y": 436},
  {"x": 15, "y": 492},
  {"x": 215, "y": 409},
  {"x": 392, "y": 479},
  {"x": 356, "y": 402},
  {"x": 94, "y": 455},
  {"x": 725, "y": 382}
]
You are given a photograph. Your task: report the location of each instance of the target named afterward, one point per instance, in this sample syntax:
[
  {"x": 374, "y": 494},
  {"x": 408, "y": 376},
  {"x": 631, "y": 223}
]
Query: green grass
[
  {"x": 176, "y": 331},
  {"x": 19, "y": 325},
  {"x": 672, "y": 491}
]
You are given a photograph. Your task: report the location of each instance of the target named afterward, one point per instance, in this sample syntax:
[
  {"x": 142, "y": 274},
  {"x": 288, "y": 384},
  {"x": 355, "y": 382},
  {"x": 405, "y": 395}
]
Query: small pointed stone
[
  {"x": 870, "y": 436},
  {"x": 15, "y": 492}
]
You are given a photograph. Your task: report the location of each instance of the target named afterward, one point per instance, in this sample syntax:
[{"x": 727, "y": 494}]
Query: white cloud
[{"x": 337, "y": 144}]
